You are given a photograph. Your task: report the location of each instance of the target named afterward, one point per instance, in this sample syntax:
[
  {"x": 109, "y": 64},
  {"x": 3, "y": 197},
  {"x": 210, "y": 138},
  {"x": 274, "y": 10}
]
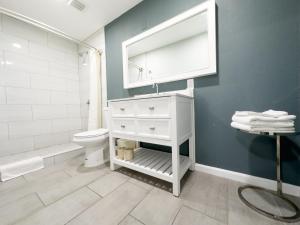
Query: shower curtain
[{"x": 95, "y": 107}]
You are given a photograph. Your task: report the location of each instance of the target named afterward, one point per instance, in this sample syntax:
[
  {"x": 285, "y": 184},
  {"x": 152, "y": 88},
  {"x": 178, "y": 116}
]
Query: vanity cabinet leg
[
  {"x": 192, "y": 152},
  {"x": 138, "y": 144},
  {"x": 112, "y": 152},
  {"x": 176, "y": 170},
  {"x": 192, "y": 144}
]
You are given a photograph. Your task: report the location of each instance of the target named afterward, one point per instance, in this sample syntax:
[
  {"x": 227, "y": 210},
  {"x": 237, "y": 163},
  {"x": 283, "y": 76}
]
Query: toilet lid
[{"x": 91, "y": 133}]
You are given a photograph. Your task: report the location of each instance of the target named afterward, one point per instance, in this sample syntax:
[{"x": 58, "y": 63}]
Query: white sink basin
[{"x": 150, "y": 95}]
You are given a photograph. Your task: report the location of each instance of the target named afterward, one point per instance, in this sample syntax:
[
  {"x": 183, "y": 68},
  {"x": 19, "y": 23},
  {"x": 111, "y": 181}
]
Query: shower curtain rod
[{"x": 45, "y": 27}]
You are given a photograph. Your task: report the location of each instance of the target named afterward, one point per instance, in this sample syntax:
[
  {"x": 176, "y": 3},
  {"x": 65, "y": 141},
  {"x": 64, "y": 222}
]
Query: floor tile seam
[
  {"x": 33, "y": 212},
  {"x": 96, "y": 203},
  {"x": 72, "y": 192},
  {"x": 40, "y": 199},
  {"x": 87, "y": 208},
  {"x": 110, "y": 191},
  {"x": 60, "y": 170},
  {"x": 94, "y": 191},
  {"x": 205, "y": 214},
  {"x": 173, "y": 221},
  {"x": 147, "y": 194},
  {"x": 15, "y": 200},
  {"x": 152, "y": 187},
  {"x": 135, "y": 219}
]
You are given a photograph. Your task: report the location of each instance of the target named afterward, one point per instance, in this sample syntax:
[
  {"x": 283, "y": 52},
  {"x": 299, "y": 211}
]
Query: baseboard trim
[{"x": 248, "y": 179}]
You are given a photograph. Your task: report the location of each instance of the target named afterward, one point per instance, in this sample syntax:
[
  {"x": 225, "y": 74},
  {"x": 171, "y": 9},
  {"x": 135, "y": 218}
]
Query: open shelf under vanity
[{"x": 155, "y": 163}]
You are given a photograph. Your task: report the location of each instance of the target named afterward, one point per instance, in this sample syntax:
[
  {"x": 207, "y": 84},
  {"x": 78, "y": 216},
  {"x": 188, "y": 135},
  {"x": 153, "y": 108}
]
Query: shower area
[{"x": 45, "y": 95}]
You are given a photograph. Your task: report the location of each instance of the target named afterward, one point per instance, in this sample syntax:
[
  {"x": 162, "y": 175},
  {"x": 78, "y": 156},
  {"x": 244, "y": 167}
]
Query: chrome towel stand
[{"x": 278, "y": 193}]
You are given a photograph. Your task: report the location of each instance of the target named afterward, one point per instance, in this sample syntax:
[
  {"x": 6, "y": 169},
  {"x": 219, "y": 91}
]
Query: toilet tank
[{"x": 105, "y": 117}]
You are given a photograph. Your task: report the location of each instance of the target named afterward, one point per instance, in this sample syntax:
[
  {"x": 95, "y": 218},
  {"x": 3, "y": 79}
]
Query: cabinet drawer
[
  {"x": 122, "y": 109},
  {"x": 154, "y": 128},
  {"x": 124, "y": 126},
  {"x": 153, "y": 108}
]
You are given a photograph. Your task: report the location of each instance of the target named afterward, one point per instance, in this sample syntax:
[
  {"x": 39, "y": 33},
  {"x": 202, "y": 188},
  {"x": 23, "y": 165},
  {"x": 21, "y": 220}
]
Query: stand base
[{"x": 288, "y": 219}]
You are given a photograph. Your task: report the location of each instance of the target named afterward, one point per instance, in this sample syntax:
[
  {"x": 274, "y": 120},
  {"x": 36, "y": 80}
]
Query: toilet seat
[{"x": 91, "y": 134}]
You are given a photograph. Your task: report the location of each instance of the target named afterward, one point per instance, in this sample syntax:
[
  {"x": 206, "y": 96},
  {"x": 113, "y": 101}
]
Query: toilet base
[{"x": 93, "y": 157}]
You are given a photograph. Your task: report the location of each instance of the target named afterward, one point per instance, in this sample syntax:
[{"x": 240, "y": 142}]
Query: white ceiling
[{"x": 79, "y": 24}]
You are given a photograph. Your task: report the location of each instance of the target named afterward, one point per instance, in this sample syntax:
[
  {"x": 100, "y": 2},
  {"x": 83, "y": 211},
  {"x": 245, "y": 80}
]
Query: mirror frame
[{"x": 208, "y": 6}]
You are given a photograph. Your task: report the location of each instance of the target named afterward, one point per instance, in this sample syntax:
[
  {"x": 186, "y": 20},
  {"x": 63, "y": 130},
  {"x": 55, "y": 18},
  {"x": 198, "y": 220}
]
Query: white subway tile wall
[
  {"x": 13, "y": 146},
  {"x": 13, "y": 113},
  {"x": 46, "y": 140},
  {"x": 27, "y": 96},
  {"x": 14, "y": 79},
  {"x": 3, "y": 131},
  {"x": 29, "y": 128},
  {"x": 44, "y": 112},
  {"x": 2, "y": 96},
  {"x": 39, "y": 88}
]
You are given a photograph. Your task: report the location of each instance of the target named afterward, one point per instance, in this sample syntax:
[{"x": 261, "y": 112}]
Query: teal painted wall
[{"x": 258, "y": 69}]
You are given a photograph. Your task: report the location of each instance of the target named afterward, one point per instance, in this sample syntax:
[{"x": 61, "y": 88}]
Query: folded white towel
[
  {"x": 247, "y": 113},
  {"x": 268, "y": 113},
  {"x": 288, "y": 123},
  {"x": 262, "y": 129},
  {"x": 20, "y": 168},
  {"x": 274, "y": 113},
  {"x": 249, "y": 119}
]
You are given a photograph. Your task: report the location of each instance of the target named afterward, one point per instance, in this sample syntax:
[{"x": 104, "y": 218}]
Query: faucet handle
[{"x": 155, "y": 85}]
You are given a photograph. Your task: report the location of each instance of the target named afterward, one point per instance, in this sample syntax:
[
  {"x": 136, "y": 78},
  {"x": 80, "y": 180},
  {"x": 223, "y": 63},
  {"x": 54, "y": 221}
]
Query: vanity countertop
[{"x": 147, "y": 96}]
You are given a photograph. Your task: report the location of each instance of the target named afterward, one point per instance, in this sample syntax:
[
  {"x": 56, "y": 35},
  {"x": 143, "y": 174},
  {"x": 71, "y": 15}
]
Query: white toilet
[
  {"x": 95, "y": 143},
  {"x": 96, "y": 147}
]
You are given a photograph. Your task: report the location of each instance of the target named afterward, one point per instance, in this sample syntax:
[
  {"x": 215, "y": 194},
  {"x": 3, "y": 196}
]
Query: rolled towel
[
  {"x": 249, "y": 119},
  {"x": 262, "y": 129},
  {"x": 274, "y": 113}
]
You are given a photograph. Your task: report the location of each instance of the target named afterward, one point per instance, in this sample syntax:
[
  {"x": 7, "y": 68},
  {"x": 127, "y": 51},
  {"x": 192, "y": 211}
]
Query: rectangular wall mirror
[{"x": 180, "y": 48}]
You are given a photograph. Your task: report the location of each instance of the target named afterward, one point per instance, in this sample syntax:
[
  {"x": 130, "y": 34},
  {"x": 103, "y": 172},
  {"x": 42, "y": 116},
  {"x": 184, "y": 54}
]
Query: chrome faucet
[{"x": 155, "y": 85}]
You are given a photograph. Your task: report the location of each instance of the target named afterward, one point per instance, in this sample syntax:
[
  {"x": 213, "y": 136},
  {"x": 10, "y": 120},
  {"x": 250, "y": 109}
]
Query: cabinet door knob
[
  {"x": 122, "y": 109},
  {"x": 151, "y": 108},
  {"x": 152, "y": 128},
  {"x": 122, "y": 126}
]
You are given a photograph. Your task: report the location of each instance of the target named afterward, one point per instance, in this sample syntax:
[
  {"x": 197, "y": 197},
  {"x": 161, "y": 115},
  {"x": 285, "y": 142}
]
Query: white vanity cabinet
[{"x": 166, "y": 119}]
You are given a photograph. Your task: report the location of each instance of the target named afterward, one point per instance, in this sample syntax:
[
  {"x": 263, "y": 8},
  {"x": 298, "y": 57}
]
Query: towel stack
[{"x": 269, "y": 121}]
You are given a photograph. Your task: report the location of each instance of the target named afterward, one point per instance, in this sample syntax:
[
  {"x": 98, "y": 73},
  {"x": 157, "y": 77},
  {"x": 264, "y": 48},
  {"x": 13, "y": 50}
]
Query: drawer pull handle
[
  {"x": 123, "y": 126},
  {"x": 151, "y": 108},
  {"x": 122, "y": 109},
  {"x": 152, "y": 128}
]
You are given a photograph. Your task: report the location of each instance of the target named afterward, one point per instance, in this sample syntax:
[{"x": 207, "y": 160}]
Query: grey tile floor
[{"x": 71, "y": 194}]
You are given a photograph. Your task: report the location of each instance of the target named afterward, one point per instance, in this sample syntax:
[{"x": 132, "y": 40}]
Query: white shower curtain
[{"x": 95, "y": 107}]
